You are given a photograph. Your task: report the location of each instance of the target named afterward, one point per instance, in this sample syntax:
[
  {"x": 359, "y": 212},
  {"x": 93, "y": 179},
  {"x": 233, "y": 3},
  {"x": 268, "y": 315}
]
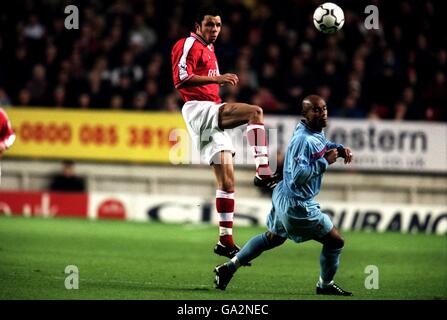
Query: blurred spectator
[
  {"x": 88, "y": 44},
  {"x": 97, "y": 90},
  {"x": 245, "y": 88},
  {"x": 34, "y": 30},
  {"x": 18, "y": 71},
  {"x": 127, "y": 69},
  {"x": 400, "y": 111},
  {"x": 152, "y": 98},
  {"x": 265, "y": 98},
  {"x": 67, "y": 180},
  {"x": 4, "y": 99},
  {"x": 116, "y": 102},
  {"x": 349, "y": 109},
  {"x": 436, "y": 99},
  {"x": 125, "y": 90},
  {"x": 298, "y": 80},
  {"x": 59, "y": 97},
  {"x": 408, "y": 99},
  {"x": 141, "y": 34},
  {"x": 51, "y": 64},
  {"x": 37, "y": 86},
  {"x": 140, "y": 101},
  {"x": 173, "y": 102},
  {"x": 84, "y": 101},
  {"x": 24, "y": 98},
  {"x": 325, "y": 92}
]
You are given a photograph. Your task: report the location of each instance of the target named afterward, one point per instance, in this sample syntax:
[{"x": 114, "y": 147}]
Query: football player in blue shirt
[{"x": 295, "y": 214}]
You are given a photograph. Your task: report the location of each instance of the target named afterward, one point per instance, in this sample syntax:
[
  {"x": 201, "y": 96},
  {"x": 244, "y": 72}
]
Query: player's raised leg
[
  {"x": 224, "y": 173},
  {"x": 232, "y": 115},
  {"x": 333, "y": 244}
]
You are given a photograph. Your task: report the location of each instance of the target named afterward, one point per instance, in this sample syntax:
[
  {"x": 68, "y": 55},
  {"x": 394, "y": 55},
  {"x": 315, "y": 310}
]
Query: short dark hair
[{"x": 207, "y": 10}]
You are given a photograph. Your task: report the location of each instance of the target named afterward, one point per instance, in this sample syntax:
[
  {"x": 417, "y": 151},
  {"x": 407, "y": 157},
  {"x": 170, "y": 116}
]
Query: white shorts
[{"x": 202, "y": 121}]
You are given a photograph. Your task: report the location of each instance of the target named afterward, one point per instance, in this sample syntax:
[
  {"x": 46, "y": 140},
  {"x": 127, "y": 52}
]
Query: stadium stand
[{"x": 119, "y": 58}]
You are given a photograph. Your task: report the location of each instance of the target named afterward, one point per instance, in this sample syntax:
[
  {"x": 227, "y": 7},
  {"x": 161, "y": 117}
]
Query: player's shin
[
  {"x": 225, "y": 209},
  {"x": 329, "y": 261},
  {"x": 256, "y": 138},
  {"x": 252, "y": 249}
]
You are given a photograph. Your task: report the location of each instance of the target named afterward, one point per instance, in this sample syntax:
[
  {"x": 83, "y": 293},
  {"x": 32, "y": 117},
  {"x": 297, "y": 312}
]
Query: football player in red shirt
[
  {"x": 7, "y": 135},
  {"x": 196, "y": 76}
]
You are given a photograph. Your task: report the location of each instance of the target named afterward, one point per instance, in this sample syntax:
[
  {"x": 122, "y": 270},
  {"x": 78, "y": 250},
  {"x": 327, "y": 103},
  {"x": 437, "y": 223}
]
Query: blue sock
[
  {"x": 252, "y": 249},
  {"x": 329, "y": 261}
]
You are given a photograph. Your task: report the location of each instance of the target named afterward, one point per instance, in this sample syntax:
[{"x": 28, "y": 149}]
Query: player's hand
[
  {"x": 346, "y": 154},
  {"x": 331, "y": 156},
  {"x": 228, "y": 79}
]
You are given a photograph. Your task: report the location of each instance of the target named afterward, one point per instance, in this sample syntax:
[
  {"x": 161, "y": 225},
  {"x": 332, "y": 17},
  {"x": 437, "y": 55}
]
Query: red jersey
[
  {"x": 193, "y": 56},
  {"x": 7, "y": 136}
]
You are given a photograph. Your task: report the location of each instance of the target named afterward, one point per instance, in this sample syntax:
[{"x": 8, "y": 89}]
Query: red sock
[
  {"x": 258, "y": 142},
  {"x": 225, "y": 209}
]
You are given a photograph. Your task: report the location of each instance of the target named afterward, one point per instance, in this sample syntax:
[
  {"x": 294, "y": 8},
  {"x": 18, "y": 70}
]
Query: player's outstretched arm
[{"x": 227, "y": 79}]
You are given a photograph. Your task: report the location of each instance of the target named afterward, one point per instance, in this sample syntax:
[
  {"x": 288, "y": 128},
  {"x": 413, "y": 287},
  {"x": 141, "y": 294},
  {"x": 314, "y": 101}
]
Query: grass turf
[{"x": 125, "y": 260}]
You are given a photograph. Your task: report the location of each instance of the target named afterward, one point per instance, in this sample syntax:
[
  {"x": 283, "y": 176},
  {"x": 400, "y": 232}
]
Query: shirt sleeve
[
  {"x": 184, "y": 61},
  {"x": 332, "y": 145},
  {"x": 8, "y": 142},
  {"x": 7, "y": 136},
  {"x": 304, "y": 167}
]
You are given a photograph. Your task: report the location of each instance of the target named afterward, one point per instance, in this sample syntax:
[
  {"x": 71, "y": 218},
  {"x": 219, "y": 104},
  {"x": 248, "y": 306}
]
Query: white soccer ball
[{"x": 329, "y": 18}]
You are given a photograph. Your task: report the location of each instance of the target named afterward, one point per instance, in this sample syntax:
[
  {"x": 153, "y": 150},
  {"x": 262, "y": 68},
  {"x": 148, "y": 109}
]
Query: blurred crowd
[{"x": 119, "y": 58}]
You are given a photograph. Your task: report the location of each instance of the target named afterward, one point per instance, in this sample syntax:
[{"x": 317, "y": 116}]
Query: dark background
[{"x": 120, "y": 56}]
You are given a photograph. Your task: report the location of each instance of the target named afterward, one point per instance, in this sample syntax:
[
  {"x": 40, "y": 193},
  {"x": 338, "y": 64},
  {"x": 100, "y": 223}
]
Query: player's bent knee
[
  {"x": 334, "y": 242},
  {"x": 274, "y": 240},
  {"x": 227, "y": 185},
  {"x": 338, "y": 243}
]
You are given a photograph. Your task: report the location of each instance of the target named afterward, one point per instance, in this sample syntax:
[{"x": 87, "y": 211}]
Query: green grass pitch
[{"x": 125, "y": 260}]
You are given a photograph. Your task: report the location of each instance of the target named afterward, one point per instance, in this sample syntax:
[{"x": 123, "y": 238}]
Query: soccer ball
[{"x": 329, "y": 18}]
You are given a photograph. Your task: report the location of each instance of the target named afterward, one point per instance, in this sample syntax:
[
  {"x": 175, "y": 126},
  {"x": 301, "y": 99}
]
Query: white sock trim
[
  {"x": 236, "y": 262},
  {"x": 259, "y": 150},
  {"x": 255, "y": 126},
  {"x": 224, "y": 194},
  {"x": 261, "y": 161},
  {"x": 324, "y": 284},
  {"x": 223, "y": 231},
  {"x": 226, "y": 216}
]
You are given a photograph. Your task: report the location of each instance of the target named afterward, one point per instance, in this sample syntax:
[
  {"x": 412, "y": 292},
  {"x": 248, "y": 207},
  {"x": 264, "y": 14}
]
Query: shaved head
[
  {"x": 314, "y": 111},
  {"x": 309, "y": 102}
]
